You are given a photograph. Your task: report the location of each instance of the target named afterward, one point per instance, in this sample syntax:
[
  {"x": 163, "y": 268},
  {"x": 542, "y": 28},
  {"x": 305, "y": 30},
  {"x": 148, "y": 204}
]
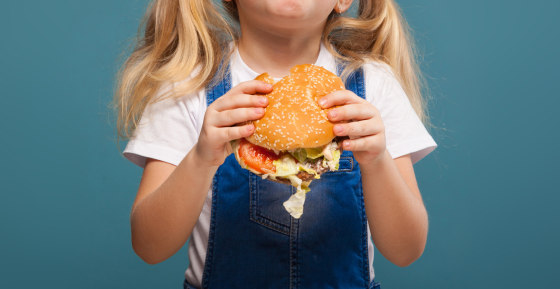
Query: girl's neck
[{"x": 276, "y": 53}]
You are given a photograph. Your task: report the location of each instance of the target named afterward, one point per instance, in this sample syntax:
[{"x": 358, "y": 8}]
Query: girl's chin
[
  {"x": 294, "y": 10},
  {"x": 282, "y": 15}
]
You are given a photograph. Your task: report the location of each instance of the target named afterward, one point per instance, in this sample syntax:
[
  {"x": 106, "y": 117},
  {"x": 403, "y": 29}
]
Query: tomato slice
[{"x": 257, "y": 158}]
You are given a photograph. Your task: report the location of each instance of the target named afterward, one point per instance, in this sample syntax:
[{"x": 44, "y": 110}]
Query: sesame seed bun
[{"x": 293, "y": 118}]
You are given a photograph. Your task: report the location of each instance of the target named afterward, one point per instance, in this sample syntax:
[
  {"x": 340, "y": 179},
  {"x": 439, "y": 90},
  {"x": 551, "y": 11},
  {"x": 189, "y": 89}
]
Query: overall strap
[
  {"x": 355, "y": 82},
  {"x": 218, "y": 87}
]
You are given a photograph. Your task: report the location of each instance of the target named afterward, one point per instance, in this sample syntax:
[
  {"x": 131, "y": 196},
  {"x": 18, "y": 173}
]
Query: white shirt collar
[{"x": 244, "y": 73}]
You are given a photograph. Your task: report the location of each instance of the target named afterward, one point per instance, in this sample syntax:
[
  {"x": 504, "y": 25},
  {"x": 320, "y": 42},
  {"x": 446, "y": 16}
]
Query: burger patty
[
  {"x": 316, "y": 165},
  {"x": 305, "y": 176}
]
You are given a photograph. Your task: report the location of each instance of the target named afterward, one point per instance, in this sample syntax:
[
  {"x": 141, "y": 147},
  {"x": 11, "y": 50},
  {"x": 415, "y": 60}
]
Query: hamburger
[{"x": 293, "y": 142}]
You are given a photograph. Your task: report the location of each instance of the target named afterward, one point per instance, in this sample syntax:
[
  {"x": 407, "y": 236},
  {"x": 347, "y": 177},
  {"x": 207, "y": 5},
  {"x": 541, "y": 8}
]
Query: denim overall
[{"x": 255, "y": 243}]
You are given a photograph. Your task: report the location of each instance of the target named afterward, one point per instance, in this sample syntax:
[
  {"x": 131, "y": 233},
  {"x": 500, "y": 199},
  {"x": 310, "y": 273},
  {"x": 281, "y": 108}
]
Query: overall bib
[{"x": 255, "y": 243}]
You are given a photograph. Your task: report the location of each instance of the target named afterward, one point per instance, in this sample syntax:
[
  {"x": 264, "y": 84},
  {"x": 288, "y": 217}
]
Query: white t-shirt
[{"x": 170, "y": 128}]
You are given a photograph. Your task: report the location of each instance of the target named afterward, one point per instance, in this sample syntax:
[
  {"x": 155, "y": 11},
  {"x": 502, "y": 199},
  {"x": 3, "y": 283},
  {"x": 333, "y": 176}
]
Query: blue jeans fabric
[
  {"x": 373, "y": 285},
  {"x": 255, "y": 243}
]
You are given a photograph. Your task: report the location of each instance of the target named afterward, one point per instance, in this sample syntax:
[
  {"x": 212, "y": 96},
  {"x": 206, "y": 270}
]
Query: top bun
[{"x": 293, "y": 118}]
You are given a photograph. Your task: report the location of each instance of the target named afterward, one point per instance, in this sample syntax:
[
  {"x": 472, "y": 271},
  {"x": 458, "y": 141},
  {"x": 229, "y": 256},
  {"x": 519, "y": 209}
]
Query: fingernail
[
  {"x": 346, "y": 144},
  {"x": 322, "y": 102},
  {"x": 268, "y": 86},
  {"x": 263, "y": 100},
  {"x": 332, "y": 113},
  {"x": 259, "y": 110}
]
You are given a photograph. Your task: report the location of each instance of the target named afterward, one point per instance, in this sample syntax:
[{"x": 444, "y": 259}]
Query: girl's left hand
[{"x": 358, "y": 119}]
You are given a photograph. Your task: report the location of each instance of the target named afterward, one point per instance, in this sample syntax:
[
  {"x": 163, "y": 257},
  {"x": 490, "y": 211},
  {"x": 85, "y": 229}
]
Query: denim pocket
[
  {"x": 267, "y": 197},
  {"x": 345, "y": 164},
  {"x": 266, "y": 203}
]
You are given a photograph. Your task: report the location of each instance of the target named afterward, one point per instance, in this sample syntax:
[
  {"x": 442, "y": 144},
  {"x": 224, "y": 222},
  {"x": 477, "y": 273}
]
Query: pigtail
[
  {"x": 380, "y": 33},
  {"x": 179, "y": 37}
]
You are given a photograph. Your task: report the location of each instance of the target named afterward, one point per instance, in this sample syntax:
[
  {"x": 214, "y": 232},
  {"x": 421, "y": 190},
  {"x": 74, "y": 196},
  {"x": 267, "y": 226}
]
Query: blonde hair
[{"x": 182, "y": 36}]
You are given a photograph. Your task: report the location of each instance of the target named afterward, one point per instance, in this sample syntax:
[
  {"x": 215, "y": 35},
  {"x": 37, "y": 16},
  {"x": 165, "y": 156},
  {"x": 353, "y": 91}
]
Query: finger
[
  {"x": 238, "y": 115},
  {"x": 367, "y": 143},
  {"x": 340, "y": 97},
  {"x": 357, "y": 128},
  {"x": 237, "y": 132},
  {"x": 240, "y": 100},
  {"x": 251, "y": 87},
  {"x": 351, "y": 112}
]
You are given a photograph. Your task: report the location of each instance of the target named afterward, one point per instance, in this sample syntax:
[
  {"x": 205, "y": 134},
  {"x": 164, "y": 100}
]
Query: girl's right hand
[{"x": 237, "y": 106}]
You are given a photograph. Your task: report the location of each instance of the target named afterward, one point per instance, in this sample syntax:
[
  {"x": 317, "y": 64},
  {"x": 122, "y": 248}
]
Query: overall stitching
[
  {"x": 254, "y": 214},
  {"x": 267, "y": 218},
  {"x": 210, "y": 249},
  {"x": 294, "y": 272},
  {"x": 365, "y": 259},
  {"x": 346, "y": 164}
]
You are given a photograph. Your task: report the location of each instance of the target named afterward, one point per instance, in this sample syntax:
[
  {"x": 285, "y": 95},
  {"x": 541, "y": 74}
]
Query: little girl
[{"x": 188, "y": 84}]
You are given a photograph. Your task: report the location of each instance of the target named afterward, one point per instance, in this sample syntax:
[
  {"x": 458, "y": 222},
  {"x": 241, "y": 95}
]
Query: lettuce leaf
[
  {"x": 336, "y": 158},
  {"x": 300, "y": 155},
  {"x": 314, "y": 153},
  {"x": 286, "y": 166}
]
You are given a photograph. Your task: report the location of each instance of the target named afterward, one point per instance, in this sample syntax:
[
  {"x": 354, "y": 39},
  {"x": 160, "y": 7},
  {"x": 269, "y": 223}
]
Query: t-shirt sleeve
[
  {"x": 166, "y": 132},
  {"x": 404, "y": 131}
]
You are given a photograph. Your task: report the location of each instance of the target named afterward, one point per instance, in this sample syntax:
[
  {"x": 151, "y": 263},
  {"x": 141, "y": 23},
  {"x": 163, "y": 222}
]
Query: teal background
[{"x": 491, "y": 188}]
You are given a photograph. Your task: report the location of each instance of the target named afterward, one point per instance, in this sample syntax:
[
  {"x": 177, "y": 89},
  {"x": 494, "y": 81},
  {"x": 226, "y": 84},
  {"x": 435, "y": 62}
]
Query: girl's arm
[
  {"x": 397, "y": 217},
  {"x": 396, "y": 214},
  {"x": 169, "y": 198},
  {"x": 167, "y": 205}
]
